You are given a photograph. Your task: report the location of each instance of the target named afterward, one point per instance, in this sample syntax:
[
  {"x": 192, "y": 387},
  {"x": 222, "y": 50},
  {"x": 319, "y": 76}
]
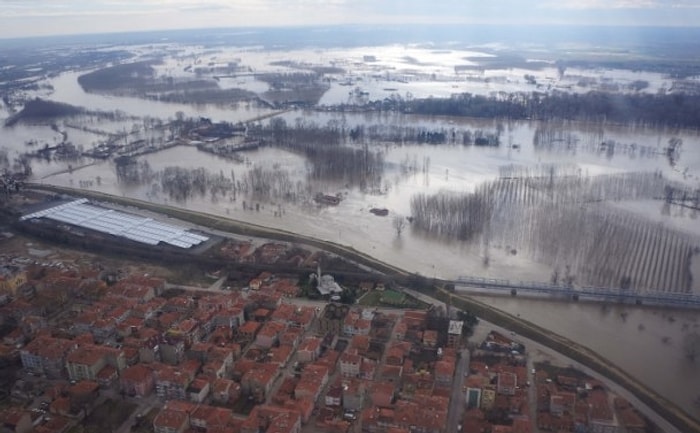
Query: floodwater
[
  {"x": 67, "y": 89},
  {"x": 645, "y": 341}
]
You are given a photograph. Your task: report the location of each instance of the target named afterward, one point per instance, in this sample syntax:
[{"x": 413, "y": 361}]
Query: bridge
[{"x": 686, "y": 300}]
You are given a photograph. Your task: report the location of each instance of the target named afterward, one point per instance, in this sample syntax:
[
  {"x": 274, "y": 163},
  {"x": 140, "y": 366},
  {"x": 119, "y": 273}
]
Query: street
[{"x": 457, "y": 398}]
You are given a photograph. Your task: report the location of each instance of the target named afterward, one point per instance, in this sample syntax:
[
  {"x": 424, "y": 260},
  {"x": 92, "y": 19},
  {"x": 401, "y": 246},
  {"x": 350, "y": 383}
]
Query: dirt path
[{"x": 68, "y": 170}]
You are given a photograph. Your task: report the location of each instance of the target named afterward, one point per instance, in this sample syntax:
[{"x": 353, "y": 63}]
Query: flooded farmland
[{"x": 560, "y": 200}]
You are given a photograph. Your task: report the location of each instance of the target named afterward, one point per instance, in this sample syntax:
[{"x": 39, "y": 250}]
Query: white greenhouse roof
[{"x": 136, "y": 228}]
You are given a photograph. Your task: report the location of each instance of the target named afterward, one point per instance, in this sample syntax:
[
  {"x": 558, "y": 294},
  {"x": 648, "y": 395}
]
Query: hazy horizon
[{"x": 30, "y": 18}]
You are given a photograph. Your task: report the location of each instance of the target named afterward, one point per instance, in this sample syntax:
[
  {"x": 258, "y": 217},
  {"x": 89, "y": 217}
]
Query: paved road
[
  {"x": 532, "y": 393},
  {"x": 457, "y": 399},
  {"x": 322, "y": 304}
]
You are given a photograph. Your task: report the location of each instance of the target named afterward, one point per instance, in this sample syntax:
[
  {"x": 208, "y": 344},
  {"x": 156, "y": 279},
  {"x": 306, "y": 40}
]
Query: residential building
[
  {"x": 334, "y": 396},
  {"x": 506, "y": 383},
  {"x": 231, "y": 317},
  {"x": 444, "y": 372},
  {"x": 430, "y": 338},
  {"x": 198, "y": 390},
  {"x": 291, "y": 337},
  {"x": 83, "y": 396},
  {"x": 208, "y": 418},
  {"x": 108, "y": 377},
  {"x": 86, "y": 361},
  {"x": 248, "y": 330},
  {"x": 329, "y": 359},
  {"x": 400, "y": 330},
  {"x": 473, "y": 398},
  {"x": 11, "y": 278},
  {"x": 601, "y": 418},
  {"x": 353, "y": 394},
  {"x": 454, "y": 333},
  {"x": 562, "y": 402},
  {"x": 272, "y": 419},
  {"x": 15, "y": 420},
  {"x": 355, "y": 324},
  {"x": 137, "y": 380},
  {"x": 382, "y": 394},
  {"x": 294, "y": 316},
  {"x": 171, "y": 421},
  {"x": 55, "y": 424},
  {"x": 304, "y": 407},
  {"x": 309, "y": 349},
  {"x": 360, "y": 343},
  {"x": 170, "y": 382},
  {"x": 313, "y": 379},
  {"x": 269, "y": 334},
  {"x": 332, "y": 318},
  {"x": 225, "y": 391},
  {"x": 172, "y": 351},
  {"x": 46, "y": 355},
  {"x": 280, "y": 355},
  {"x": 488, "y": 399},
  {"x": 350, "y": 364},
  {"x": 258, "y": 380}
]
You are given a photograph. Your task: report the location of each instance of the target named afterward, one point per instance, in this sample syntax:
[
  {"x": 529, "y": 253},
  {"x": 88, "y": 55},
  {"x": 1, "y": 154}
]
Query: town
[{"x": 90, "y": 348}]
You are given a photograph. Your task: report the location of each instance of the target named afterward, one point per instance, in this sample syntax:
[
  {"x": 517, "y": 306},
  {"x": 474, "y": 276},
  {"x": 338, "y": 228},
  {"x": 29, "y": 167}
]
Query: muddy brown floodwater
[{"x": 645, "y": 341}]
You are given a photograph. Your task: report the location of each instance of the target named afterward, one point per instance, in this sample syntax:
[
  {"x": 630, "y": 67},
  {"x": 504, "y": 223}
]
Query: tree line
[
  {"x": 669, "y": 109},
  {"x": 324, "y": 148}
]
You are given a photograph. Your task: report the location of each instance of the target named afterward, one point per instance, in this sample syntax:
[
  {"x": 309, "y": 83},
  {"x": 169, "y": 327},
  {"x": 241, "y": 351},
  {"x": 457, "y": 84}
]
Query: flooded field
[{"x": 583, "y": 202}]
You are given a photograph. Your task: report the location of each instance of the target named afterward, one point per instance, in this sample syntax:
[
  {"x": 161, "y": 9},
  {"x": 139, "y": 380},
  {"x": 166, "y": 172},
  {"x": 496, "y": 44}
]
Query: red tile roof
[
  {"x": 83, "y": 387},
  {"x": 49, "y": 347},
  {"x": 86, "y": 355},
  {"x": 170, "y": 419},
  {"x": 310, "y": 344},
  {"x": 137, "y": 373},
  {"x": 249, "y": 328}
]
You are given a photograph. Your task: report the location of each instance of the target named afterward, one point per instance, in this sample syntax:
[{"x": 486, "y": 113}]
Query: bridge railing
[{"x": 642, "y": 296}]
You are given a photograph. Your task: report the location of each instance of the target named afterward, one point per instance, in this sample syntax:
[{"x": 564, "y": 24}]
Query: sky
[{"x": 21, "y": 18}]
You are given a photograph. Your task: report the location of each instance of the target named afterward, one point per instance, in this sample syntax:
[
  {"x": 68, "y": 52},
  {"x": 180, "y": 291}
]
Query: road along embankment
[
  {"x": 585, "y": 356},
  {"x": 227, "y": 225},
  {"x": 581, "y": 354}
]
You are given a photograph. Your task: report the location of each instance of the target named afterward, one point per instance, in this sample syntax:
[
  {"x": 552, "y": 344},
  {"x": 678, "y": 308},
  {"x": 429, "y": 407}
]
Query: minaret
[
  {"x": 318, "y": 275},
  {"x": 448, "y": 304}
]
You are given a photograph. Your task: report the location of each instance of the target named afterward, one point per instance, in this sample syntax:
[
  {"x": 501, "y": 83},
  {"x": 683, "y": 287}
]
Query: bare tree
[{"x": 399, "y": 223}]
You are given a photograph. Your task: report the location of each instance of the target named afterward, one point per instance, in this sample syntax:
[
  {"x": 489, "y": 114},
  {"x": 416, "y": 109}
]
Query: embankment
[{"x": 227, "y": 225}]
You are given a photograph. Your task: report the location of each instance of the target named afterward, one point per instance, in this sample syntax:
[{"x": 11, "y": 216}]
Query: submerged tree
[{"x": 399, "y": 223}]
